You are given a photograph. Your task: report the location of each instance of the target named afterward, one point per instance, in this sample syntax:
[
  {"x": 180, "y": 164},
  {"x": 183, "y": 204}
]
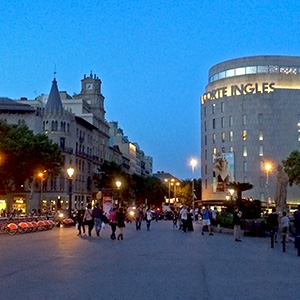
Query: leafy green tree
[
  {"x": 24, "y": 154},
  {"x": 292, "y": 167}
]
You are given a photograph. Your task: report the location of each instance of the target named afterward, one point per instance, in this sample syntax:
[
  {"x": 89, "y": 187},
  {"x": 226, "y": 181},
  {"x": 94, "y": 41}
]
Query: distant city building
[
  {"x": 139, "y": 163},
  {"x": 77, "y": 124},
  {"x": 250, "y": 116}
]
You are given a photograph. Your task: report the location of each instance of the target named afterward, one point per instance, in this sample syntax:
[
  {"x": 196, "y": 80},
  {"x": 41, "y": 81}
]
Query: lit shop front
[{"x": 19, "y": 204}]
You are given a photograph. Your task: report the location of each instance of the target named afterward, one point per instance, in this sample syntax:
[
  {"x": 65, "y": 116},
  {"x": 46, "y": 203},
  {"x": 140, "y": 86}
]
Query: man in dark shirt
[
  {"x": 272, "y": 223},
  {"x": 297, "y": 226},
  {"x": 98, "y": 218}
]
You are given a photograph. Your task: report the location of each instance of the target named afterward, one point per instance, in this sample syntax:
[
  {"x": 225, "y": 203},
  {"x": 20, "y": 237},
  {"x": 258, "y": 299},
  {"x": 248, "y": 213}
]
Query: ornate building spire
[{"x": 54, "y": 102}]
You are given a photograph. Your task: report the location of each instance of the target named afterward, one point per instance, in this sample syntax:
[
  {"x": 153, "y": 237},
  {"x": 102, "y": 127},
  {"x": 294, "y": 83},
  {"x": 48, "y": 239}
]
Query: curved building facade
[{"x": 250, "y": 119}]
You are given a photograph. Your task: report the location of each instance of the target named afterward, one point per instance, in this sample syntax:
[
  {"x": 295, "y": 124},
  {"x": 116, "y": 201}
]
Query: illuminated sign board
[{"x": 238, "y": 90}]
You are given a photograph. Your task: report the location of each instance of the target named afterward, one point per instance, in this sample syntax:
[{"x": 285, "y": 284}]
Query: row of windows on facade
[
  {"x": 61, "y": 184},
  {"x": 222, "y": 109},
  {"x": 255, "y": 70},
  {"x": 230, "y": 121},
  {"x": 230, "y": 136},
  {"x": 230, "y": 149},
  {"x": 64, "y": 127}
]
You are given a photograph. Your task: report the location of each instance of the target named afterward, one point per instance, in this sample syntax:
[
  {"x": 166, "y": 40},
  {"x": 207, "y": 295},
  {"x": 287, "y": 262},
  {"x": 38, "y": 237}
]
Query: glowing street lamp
[
  {"x": 70, "y": 172},
  {"x": 231, "y": 192},
  {"x": 193, "y": 163},
  {"x": 118, "y": 184},
  {"x": 268, "y": 168}
]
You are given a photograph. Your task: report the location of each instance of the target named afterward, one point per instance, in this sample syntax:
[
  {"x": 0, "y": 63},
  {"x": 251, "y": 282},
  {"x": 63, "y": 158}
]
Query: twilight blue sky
[{"x": 152, "y": 57}]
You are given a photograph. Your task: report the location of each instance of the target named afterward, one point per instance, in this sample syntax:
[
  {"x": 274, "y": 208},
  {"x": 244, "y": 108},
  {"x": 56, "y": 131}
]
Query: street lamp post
[
  {"x": 268, "y": 168},
  {"x": 118, "y": 184},
  {"x": 169, "y": 183},
  {"x": 193, "y": 163},
  {"x": 41, "y": 175},
  {"x": 70, "y": 172}
]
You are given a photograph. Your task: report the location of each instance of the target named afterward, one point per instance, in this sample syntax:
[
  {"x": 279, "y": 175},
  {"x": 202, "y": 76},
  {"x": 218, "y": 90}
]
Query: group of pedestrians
[{"x": 95, "y": 218}]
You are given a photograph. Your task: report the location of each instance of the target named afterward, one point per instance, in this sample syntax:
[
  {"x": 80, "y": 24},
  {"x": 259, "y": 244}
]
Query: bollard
[{"x": 283, "y": 242}]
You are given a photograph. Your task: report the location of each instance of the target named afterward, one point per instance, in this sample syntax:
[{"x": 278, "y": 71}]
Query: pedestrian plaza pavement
[{"x": 163, "y": 263}]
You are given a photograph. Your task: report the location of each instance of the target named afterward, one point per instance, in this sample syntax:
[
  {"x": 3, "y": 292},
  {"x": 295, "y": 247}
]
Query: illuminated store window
[
  {"x": 244, "y": 135},
  {"x": 245, "y": 151},
  {"x": 251, "y": 70},
  {"x": 214, "y": 123},
  {"x": 244, "y": 120},
  {"x": 213, "y": 108},
  {"x": 260, "y": 119},
  {"x": 245, "y": 166},
  {"x": 215, "y": 151},
  {"x": 261, "y": 150},
  {"x": 223, "y": 136},
  {"x": 222, "y": 106},
  {"x": 230, "y": 136},
  {"x": 262, "y": 69},
  {"x": 222, "y": 122},
  {"x": 214, "y": 138},
  {"x": 260, "y": 135},
  {"x": 230, "y": 121},
  {"x": 240, "y": 71},
  {"x": 230, "y": 149}
]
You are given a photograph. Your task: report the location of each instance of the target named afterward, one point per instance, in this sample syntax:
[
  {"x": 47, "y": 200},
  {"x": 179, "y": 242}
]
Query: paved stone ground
[{"x": 160, "y": 264}]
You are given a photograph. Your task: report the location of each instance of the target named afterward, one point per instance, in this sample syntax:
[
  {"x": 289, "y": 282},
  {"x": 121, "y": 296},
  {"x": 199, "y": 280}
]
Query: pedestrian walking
[
  {"x": 175, "y": 218},
  {"x": 272, "y": 223},
  {"x": 297, "y": 227},
  {"x": 206, "y": 222},
  {"x": 113, "y": 223},
  {"x": 285, "y": 223},
  {"x": 120, "y": 222},
  {"x": 79, "y": 219},
  {"x": 190, "y": 220},
  {"x": 139, "y": 218},
  {"x": 237, "y": 214},
  {"x": 183, "y": 217},
  {"x": 148, "y": 218},
  {"x": 97, "y": 215},
  {"x": 88, "y": 218}
]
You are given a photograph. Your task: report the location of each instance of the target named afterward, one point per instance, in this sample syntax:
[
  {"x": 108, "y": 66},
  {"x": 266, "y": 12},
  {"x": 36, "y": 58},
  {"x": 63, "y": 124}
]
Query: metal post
[{"x": 70, "y": 197}]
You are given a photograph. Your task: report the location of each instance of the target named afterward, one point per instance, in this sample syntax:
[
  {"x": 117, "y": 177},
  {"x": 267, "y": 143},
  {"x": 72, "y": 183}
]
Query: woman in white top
[{"x": 88, "y": 219}]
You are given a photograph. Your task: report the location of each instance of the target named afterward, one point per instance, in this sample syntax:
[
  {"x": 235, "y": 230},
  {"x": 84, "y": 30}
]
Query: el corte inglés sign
[{"x": 238, "y": 90}]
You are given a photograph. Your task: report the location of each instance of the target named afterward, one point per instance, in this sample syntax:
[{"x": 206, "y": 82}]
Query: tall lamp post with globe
[
  {"x": 193, "y": 164},
  {"x": 118, "y": 184},
  {"x": 70, "y": 172}
]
